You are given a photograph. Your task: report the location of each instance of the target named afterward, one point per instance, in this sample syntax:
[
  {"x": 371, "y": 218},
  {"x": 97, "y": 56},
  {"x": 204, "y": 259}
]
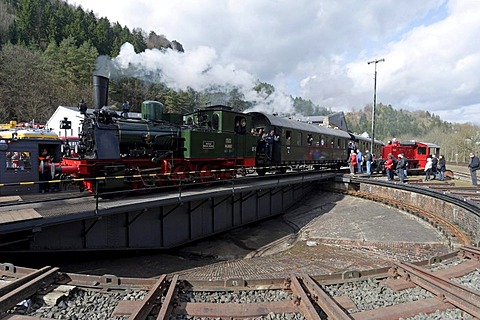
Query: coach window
[
  {"x": 422, "y": 150},
  {"x": 299, "y": 139},
  {"x": 215, "y": 121},
  {"x": 240, "y": 125},
  {"x": 339, "y": 143},
  {"x": 18, "y": 160},
  {"x": 309, "y": 139},
  {"x": 288, "y": 137}
]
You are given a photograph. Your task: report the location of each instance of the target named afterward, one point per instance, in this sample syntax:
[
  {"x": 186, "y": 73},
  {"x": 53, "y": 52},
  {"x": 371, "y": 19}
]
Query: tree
[
  {"x": 138, "y": 40},
  {"x": 26, "y": 21},
  {"x": 31, "y": 94},
  {"x": 264, "y": 88},
  {"x": 73, "y": 64},
  {"x": 157, "y": 41},
  {"x": 6, "y": 21},
  {"x": 103, "y": 37}
]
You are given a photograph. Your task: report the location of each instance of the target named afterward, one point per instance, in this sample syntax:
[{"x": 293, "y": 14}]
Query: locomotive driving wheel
[
  {"x": 206, "y": 174},
  {"x": 179, "y": 174}
]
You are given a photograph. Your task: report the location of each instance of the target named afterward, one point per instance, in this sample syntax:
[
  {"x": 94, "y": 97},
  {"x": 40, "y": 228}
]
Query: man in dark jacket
[
  {"x": 434, "y": 166},
  {"x": 442, "y": 167},
  {"x": 474, "y": 165},
  {"x": 368, "y": 160},
  {"x": 401, "y": 166}
]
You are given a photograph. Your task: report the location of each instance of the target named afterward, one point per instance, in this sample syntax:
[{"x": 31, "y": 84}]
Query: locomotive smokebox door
[{"x": 107, "y": 145}]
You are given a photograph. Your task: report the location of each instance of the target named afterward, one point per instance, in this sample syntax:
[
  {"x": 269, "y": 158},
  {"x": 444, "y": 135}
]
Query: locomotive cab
[{"x": 220, "y": 132}]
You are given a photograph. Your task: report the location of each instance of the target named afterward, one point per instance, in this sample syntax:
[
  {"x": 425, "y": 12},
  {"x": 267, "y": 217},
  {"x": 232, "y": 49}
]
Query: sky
[{"x": 317, "y": 50}]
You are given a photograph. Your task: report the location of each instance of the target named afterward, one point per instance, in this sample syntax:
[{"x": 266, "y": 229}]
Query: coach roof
[{"x": 298, "y": 125}]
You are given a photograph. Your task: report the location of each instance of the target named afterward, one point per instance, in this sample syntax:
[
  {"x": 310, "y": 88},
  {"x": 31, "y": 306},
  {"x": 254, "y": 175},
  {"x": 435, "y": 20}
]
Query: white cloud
[{"x": 319, "y": 49}]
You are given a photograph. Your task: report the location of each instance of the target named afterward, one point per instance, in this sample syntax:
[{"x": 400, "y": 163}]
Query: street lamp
[{"x": 374, "y": 101}]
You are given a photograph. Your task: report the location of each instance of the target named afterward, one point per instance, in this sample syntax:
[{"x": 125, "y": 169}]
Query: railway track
[{"x": 447, "y": 286}]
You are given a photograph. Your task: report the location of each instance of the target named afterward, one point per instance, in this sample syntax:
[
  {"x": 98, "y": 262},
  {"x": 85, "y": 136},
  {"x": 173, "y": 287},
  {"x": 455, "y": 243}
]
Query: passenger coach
[{"x": 284, "y": 142}]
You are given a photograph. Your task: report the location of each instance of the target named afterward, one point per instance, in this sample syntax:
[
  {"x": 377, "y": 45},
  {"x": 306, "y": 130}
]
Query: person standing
[
  {"x": 44, "y": 164},
  {"x": 359, "y": 161},
  {"x": 353, "y": 161},
  {"x": 434, "y": 166},
  {"x": 125, "y": 109},
  {"x": 428, "y": 168},
  {"x": 442, "y": 167},
  {"x": 389, "y": 164},
  {"x": 401, "y": 166},
  {"x": 368, "y": 161},
  {"x": 474, "y": 165}
]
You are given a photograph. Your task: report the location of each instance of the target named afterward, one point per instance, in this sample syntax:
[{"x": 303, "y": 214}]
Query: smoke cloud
[{"x": 198, "y": 69}]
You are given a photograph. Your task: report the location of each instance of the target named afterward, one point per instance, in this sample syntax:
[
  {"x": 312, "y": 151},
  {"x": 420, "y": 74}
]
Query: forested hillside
[{"x": 48, "y": 52}]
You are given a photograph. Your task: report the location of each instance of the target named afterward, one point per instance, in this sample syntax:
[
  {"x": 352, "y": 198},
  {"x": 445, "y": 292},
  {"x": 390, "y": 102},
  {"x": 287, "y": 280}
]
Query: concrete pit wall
[{"x": 467, "y": 220}]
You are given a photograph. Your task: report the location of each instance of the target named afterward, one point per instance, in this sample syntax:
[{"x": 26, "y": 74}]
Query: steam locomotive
[{"x": 159, "y": 148}]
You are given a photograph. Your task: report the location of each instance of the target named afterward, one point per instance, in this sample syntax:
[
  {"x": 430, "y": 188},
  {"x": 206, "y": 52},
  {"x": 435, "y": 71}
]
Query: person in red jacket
[
  {"x": 389, "y": 166},
  {"x": 353, "y": 161}
]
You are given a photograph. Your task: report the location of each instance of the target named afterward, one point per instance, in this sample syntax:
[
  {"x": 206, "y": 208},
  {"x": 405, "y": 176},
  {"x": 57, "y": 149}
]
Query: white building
[{"x": 71, "y": 114}]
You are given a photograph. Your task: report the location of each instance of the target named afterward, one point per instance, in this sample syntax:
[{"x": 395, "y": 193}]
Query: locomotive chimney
[{"x": 100, "y": 91}]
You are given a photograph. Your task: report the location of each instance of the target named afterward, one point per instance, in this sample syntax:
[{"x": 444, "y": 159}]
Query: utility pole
[{"x": 374, "y": 101}]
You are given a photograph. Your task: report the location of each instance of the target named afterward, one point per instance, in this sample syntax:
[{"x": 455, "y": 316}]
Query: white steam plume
[{"x": 198, "y": 69}]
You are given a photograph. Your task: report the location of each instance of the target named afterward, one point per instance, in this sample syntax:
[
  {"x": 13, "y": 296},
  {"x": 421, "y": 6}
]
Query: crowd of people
[
  {"x": 434, "y": 169},
  {"x": 357, "y": 159}
]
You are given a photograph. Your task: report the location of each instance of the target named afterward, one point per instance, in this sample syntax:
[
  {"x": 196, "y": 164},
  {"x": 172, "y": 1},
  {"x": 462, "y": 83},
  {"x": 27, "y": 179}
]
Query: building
[
  {"x": 71, "y": 114},
  {"x": 65, "y": 113}
]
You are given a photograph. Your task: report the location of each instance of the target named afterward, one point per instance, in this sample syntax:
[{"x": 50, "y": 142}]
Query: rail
[
  {"x": 456, "y": 294},
  {"x": 23, "y": 288},
  {"x": 444, "y": 196},
  {"x": 303, "y": 294}
]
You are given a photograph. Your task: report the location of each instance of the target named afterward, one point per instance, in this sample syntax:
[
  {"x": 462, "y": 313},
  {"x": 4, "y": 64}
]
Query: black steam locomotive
[{"x": 159, "y": 148}]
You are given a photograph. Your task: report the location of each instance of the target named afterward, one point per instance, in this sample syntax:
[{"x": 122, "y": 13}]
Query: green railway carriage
[
  {"x": 285, "y": 142},
  {"x": 219, "y": 137}
]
